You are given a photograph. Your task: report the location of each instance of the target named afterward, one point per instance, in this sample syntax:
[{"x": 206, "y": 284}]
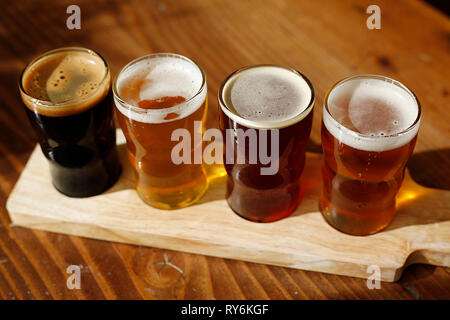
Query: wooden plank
[{"x": 419, "y": 233}]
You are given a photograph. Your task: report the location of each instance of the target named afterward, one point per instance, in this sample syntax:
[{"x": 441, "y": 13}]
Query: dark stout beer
[
  {"x": 265, "y": 99},
  {"x": 369, "y": 131},
  {"x": 66, "y": 94}
]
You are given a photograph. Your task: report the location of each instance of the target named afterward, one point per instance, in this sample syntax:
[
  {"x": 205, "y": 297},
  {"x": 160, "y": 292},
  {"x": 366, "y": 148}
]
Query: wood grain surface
[
  {"x": 326, "y": 40},
  {"x": 419, "y": 233}
]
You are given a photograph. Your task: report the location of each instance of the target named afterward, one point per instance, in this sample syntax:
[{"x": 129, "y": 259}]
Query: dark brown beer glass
[
  {"x": 68, "y": 101},
  {"x": 265, "y": 107},
  {"x": 369, "y": 130}
]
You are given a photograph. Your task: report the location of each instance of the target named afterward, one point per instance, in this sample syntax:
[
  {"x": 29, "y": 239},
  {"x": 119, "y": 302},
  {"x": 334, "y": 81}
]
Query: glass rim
[
  {"x": 266, "y": 124},
  {"x": 382, "y": 78},
  {"x": 157, "y": 111},
  {"x": 64, "y": 103}
]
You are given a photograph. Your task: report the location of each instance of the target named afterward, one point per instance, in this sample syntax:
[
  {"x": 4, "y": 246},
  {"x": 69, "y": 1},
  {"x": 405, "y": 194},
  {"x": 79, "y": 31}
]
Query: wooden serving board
[{"x": 420, "y": 233}]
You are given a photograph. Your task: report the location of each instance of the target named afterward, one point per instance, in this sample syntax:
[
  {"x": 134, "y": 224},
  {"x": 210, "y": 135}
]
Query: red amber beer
[
  {"x": 256, "y": 102},
  {"x": 154, "y": 96},
  {"x": 369, "y": 130}
]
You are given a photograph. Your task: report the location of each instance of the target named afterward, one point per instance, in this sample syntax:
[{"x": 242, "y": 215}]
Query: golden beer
[{"x": 156, "y": 95}]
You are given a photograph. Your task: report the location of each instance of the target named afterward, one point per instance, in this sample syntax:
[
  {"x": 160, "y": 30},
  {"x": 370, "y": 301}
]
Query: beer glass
[
  {"x": 266, "y": 119},
  {"x": 68, "y": 102},
  {"x": 160, "y": 97},
  {"x": 369, "y": 130}
]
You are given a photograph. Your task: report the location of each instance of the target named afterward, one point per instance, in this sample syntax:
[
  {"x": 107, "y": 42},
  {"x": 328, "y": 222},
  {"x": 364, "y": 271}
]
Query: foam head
[
  {"x": 266, "y": 96},
  {"x": 371, "y": 113},
  {"x": 159, "y": 77},
  {"x": 65, "y": 81}
]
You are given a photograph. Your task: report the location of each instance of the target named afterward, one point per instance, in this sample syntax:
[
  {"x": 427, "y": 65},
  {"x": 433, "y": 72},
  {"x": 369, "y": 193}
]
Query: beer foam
[
  {"x": 371, "y": 114},
  {"x": 155, "y": 77},
  {"x": 65, "y": 82},
  {"x": 269, "y": 95}
]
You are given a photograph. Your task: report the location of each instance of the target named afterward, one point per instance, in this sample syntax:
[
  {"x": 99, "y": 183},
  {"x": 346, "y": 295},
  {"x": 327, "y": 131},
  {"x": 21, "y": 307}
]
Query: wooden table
[{"x": 326, "y": 40}]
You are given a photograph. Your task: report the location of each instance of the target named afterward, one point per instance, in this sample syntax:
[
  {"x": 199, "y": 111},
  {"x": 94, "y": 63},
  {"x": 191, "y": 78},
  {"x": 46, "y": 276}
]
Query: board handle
[{"x": 429, "y": 256}]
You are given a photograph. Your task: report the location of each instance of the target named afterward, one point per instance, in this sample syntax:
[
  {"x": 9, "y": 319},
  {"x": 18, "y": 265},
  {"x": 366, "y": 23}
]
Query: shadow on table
[
  {"x": 431, "y": 168},
  {"x": 424, "y": 197}
]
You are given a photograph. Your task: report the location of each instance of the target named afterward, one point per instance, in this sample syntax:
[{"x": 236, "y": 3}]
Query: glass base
[
  {"x": 354, "y": 224},
  {"x": 173, "y": 199},
  {"x": 273, "y": 218}
]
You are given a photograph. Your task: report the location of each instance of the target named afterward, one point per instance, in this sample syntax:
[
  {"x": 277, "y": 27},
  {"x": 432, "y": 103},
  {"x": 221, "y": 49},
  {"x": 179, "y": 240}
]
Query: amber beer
[
  {"x": 255, "y": 101},
  {"x": 67, "y": 98},
  {"x": 369, "y": 130},
  {"x": 155, "y": 95}
]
